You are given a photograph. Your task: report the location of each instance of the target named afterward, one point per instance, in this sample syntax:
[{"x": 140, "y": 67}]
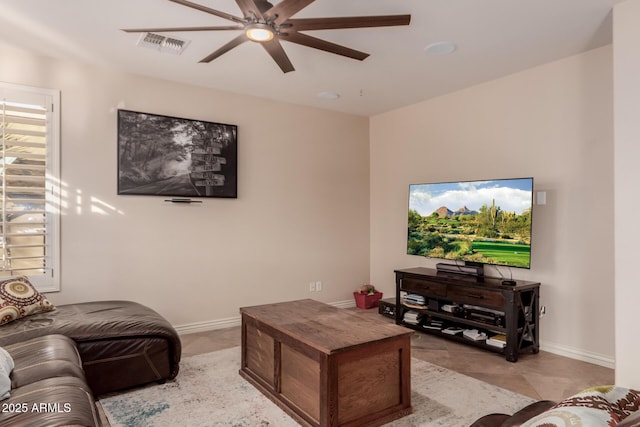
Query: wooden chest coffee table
[{"x": 327, "y": 366}]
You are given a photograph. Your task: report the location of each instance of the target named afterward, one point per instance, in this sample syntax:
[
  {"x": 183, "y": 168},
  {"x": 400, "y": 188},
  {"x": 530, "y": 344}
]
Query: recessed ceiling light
[
  {"x": 328, "y": 95},
  {"x": 440, "y": 48}
]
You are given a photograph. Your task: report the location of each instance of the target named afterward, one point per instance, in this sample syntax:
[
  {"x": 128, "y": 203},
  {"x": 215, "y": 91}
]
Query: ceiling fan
[{"x": 264, "y": 23}]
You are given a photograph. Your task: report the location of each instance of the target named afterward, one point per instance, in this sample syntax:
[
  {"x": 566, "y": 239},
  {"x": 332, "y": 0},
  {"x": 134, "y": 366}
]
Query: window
[{"x": 29, "y": 187}]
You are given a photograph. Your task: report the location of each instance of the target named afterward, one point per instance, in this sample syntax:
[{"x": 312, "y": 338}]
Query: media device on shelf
[
  {"x": 475, "y": 222},
  {"x": 469, "y": 269}
]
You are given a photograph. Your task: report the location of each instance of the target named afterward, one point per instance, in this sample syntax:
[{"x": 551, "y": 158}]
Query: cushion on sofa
[
  {"x": 19, "y": 298},
  {"x": 48, "y": 385},
  {"x": 598, "y": 406},
  {"x": 59, "y": 401},
  {"x": 44, "y": 357}
]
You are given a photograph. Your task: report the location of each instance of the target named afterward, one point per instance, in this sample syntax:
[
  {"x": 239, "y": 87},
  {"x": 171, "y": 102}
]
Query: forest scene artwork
[
  {"x": 485, "y": 222},
  {"x": 169, "y": 156}
]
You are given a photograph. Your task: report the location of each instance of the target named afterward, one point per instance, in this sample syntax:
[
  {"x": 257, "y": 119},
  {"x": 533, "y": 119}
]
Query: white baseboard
[
  {"x": 211, "y": 325},
  {"x": 208, "y": 325},
  {"x": 349, "y": 303},
  {"x": 561, "y": 350},
  {"x": 579, "y": 354}
]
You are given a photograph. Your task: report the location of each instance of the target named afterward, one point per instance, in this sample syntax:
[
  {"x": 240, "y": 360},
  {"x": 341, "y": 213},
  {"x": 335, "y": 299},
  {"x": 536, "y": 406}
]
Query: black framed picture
[{"x": 170, "y": 156}]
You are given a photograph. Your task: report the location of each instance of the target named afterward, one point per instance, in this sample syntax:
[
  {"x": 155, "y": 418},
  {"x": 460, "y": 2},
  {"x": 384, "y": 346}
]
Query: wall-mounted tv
[
  {"x": 484, "y": 222},
  {"x": 171, "y": 156}
]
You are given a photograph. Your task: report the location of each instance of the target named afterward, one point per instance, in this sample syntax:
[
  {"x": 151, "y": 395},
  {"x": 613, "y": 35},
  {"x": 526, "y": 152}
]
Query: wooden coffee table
[{"x": 327, "y": 366}]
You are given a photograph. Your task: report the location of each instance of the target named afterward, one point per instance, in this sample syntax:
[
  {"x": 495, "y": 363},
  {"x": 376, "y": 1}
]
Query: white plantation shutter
[{"x": 29, "y": 175}]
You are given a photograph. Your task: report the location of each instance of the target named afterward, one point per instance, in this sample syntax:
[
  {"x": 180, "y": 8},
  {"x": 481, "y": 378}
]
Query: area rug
[{"x": 209, "y": 392}]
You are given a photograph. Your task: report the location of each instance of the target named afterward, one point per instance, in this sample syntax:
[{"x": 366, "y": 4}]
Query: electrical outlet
[
  {"x": 312, "y": 286},
  {"x": 318, "y": 286}
]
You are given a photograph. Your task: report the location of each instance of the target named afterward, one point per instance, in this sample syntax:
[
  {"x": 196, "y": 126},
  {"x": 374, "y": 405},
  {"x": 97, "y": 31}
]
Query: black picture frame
[{"x": 176, "y": 157}]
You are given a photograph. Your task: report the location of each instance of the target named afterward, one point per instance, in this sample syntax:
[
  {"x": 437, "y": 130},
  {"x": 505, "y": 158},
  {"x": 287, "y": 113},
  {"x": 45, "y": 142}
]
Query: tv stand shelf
[{"x": 485, "y": 304}]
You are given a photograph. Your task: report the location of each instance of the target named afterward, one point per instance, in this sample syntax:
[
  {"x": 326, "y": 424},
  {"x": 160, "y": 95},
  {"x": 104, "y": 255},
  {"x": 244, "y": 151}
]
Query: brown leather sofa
[
  {"x": 66, "y": 357},
  {"x": 48, "y": 386}
]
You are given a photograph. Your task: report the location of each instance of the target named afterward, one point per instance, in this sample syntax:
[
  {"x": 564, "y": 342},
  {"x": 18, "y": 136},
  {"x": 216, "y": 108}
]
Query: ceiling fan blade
[
  {"x": 278, "y": 54},
  {"x": 263, "y": 5},
  {"x": 306, "y": 24},
  {"x": 180, "y": 29},
  {"x": 253, "y": 7},
  {"x": 226, "y": 48},
  {"x": 306, "y": 40},
  {"x": 210, "y": 11},
  {"x": 286, "y": 9}
]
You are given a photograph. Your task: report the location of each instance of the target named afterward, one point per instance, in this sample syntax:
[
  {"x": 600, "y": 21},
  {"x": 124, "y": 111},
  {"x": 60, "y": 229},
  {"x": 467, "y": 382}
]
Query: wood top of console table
[{"x": 327, "y": 328}]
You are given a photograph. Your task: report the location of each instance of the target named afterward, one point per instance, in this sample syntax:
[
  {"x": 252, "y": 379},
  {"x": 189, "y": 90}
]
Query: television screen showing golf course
[{"x": 485, "y": 222}]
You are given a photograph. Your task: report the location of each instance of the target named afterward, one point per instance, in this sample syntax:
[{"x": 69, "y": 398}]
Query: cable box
[
  {"x": 484, "y": 316},
  {"x": 471, "y": 270}
]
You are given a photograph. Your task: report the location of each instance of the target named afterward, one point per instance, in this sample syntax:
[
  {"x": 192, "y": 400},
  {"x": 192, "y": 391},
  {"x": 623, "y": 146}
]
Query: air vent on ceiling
[{"x": 163, "y": 43}]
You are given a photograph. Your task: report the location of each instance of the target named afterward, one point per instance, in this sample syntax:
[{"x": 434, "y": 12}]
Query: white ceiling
[{"x": 494, "y": 37}]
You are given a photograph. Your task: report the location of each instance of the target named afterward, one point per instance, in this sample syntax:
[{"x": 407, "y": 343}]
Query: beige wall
[
  {"x": 554, "y": 123},
  {"x": 323, "y": 195},
  {"x": 627, "y": 175},
  {"x": 302, "y": 212}
]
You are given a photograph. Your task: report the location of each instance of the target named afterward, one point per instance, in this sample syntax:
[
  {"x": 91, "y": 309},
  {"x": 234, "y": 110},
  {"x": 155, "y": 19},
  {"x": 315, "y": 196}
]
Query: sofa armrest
[
  {"x": 528, "y": 412},
  {"x": 491, "y": 420},
  {"x": 524, "y": 414}
]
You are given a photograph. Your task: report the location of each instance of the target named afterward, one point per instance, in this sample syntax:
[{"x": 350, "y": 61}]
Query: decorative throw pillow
[
  {"x": 18, "y": 298},
  {"x": 597, "y": 406}
]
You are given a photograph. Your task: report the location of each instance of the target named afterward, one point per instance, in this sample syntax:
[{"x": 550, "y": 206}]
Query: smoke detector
[{"x": 163, "y": 43}]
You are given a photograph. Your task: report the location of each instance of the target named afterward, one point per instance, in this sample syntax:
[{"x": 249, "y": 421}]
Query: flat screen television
[
  {"x": 176, "y": 157},
  {"x": 478, "y": 222}
]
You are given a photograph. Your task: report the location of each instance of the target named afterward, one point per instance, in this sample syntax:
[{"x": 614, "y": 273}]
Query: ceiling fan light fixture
[{"x": 259, "y": 32}]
